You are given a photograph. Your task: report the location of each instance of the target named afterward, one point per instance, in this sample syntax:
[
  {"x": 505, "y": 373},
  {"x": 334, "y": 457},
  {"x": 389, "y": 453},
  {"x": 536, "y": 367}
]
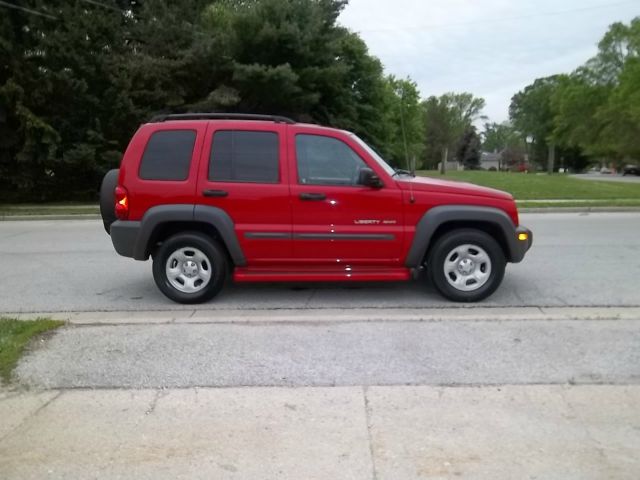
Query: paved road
[
  {"x": 608, "y": 177},
  {"x": 577, "y": 259}
]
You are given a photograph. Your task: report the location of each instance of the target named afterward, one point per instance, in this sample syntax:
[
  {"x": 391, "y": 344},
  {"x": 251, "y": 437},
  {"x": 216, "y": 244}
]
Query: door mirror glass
[{"x": 368, "y": 178}]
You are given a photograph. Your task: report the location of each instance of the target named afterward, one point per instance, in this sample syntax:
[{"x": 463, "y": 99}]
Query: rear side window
[
  {"x": 168, "y": 155},
  {"x": 241, "y": 156}
]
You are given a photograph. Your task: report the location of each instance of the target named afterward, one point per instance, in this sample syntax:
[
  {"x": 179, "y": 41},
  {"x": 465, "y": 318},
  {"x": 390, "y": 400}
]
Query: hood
[{"x": 427, "y": 184}]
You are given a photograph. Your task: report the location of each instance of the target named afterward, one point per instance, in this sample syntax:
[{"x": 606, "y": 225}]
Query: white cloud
[{"x": 491, "y": 48}]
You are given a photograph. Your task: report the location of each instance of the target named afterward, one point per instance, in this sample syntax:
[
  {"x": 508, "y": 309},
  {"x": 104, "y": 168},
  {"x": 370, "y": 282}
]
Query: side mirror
[{"x": 368, "y": 178}]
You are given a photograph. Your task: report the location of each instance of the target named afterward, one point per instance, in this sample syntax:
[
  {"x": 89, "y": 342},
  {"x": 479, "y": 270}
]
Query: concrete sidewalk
[{"x": 378, "y": 433}]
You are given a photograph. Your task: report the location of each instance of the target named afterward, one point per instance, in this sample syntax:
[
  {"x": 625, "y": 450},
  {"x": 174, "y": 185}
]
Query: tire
[
  {"x": 107, "y": 198},
  {"x": 466, "y": 265},
  {"x": 194, "y": 282}
]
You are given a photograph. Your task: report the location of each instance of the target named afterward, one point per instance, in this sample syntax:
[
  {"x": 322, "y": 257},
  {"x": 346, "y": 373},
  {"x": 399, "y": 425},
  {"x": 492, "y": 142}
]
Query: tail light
[{"x": 122, "y": 203}]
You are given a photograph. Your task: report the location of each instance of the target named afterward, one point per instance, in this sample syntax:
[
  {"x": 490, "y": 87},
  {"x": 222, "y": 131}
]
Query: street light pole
[{"x": 528, "y": 141}]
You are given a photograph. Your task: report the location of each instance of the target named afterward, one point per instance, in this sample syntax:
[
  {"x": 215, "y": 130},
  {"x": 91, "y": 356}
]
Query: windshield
[{"x": 387, "y": 168}]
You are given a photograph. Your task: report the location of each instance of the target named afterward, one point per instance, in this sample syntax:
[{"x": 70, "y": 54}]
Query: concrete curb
[
  {"x": 337, "y": 316},
  {"x": 577, "y": 209},
  {"x": 79, "y": 216}
]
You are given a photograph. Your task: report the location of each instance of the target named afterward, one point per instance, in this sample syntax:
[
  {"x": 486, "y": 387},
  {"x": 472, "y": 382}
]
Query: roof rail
[{"x": 220, "y": 116}]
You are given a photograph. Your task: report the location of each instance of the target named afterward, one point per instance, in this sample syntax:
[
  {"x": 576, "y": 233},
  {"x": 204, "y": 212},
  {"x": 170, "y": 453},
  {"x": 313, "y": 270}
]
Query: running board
[{"x": 361, "y": 274}]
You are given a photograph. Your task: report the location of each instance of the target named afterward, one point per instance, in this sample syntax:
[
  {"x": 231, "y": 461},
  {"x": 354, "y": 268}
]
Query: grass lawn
[
  {"x": 14, "y": 337},
  {"x": 545, "y": 187}
]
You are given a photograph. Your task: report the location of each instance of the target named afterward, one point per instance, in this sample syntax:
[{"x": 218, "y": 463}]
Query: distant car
[
  {"x": 606, "y": 171},
  {"x": 631, "y": 170}
]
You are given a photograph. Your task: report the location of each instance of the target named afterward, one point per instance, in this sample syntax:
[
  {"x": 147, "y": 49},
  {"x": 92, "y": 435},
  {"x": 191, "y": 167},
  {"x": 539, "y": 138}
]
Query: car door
[
  {"x": 337, "y": 221},
  {"x": 243, "y": 172}
]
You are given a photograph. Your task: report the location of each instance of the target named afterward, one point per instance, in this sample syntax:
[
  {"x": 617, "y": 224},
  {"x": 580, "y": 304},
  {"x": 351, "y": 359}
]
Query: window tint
[
  {"x": 238, "y": 156},
  {"x": 168, "y": 155},
  {"x": 326, "y": 161}
]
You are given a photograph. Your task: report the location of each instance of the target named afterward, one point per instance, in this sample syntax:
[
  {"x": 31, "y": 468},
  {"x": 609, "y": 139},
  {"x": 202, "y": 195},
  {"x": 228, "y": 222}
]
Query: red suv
[{"x": 265, "y": 199}]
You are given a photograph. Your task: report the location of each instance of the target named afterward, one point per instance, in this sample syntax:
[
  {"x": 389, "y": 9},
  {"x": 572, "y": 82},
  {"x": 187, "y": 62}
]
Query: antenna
[{"x": 404, "y": 141}]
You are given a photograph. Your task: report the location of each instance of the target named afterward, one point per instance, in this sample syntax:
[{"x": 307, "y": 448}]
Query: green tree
[
  {"x": 468, "y": 149},
  {"x": 596, "y": 109},
  {"x": 620, "y": 44},
  {"x": 532, "y": 115},
  {"x": 620, "y": 116},
  {"x": 292, "y": 58},
  {"x": 574, "y": 105},
  {"x": 403, "y": 122},
  {"x": 76, "y": 80},
  {"x": 498, "y": 136},
  {"x": 55, "y": 126},
  {"x": 446, "y": 118}
]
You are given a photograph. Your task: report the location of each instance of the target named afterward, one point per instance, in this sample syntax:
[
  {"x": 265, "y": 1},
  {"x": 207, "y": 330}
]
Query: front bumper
[
  {"x": 521, "y": 244},
  {"x": 124, "y": 236}
]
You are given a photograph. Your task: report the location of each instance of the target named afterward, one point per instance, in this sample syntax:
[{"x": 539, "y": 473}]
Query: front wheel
[
  {"x": 190, "y": 268},
  {"x": 466, "y": 265}
]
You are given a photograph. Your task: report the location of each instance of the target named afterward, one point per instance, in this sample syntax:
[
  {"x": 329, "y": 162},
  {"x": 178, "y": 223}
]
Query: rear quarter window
[{"x": 167, "y": 155}]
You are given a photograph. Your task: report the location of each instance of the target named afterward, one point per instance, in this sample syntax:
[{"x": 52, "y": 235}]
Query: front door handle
[
  {"x": 215, "y": 193},
  {"x": 312, "y": 196}
]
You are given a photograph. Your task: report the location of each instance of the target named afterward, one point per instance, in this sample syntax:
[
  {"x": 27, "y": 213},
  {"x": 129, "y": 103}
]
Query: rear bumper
[
  {"x": 124, "y": 236},
  {"x": 520, "y": 247}
]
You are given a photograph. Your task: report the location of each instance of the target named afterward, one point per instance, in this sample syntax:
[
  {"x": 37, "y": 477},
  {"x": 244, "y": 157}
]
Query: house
[{"x": 490, "y": 161}]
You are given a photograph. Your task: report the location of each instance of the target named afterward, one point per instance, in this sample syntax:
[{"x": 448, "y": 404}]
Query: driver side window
[{"x": 326, "y": 161}]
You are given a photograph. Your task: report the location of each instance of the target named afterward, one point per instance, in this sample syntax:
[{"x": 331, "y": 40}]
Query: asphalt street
[
  {"x": 600, "y": 177},
  {"x": 577, "y": 259}
]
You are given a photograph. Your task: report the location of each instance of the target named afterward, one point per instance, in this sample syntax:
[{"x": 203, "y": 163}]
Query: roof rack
[{"x": 221, "y": 116}]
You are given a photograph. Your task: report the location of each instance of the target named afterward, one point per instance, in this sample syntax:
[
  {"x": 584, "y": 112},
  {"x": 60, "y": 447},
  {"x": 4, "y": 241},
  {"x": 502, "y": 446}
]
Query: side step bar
[{"x": 322, "y": 275}]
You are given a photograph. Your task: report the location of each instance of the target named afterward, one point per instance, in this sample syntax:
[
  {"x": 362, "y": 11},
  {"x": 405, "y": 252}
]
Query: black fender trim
[
  {"x": 154, "y": 217},
  {"x": 225, "y": 226},
  {"x": 437, "y": 216},
  {"x": 216, "y": 217}
]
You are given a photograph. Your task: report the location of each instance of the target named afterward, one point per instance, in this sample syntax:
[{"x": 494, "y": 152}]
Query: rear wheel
[
  {"x": 190, "y": 268},
  {"x": 466, "y": 265}
]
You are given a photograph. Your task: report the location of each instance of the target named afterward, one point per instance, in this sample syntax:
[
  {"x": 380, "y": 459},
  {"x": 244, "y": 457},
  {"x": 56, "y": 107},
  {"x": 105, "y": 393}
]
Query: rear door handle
[
  {"x": 215, "y": 193},
  {"x": 312, "y": 196}
]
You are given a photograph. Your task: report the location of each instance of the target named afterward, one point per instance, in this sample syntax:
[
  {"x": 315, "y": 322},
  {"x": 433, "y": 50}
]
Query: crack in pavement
[
  {"x": 32, "y": 415},
  {"x": 368, "y": 422},
  {"x": 160, "y": 393}
]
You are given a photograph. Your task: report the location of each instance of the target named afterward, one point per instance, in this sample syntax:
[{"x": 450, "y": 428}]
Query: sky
[{"x": 491, "y": 48}]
